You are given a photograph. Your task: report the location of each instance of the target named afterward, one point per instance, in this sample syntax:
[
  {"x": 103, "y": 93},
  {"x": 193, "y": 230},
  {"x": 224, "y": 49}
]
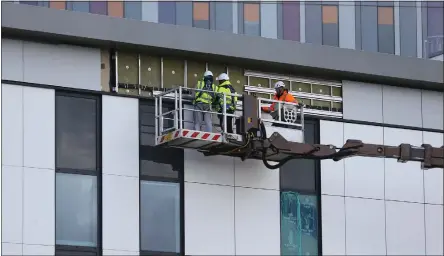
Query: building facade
[{"x": 81, "y": 175}]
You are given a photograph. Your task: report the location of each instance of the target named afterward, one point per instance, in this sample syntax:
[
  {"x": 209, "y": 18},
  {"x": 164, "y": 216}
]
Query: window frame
[
  {"x": 317, "y": 189},
  {"x": 96, "y": 173},
  {"x": 179, "y": 180}
]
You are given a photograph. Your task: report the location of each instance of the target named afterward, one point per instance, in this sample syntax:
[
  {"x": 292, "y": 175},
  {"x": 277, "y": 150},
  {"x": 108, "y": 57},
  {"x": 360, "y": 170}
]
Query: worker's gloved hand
[{"x": 265, "y": 109}]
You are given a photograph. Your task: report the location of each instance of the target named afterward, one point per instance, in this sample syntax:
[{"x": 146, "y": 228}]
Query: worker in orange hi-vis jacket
[{"x": 280, "y": 95}]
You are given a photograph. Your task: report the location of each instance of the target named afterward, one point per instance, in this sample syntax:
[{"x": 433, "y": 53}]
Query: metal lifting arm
[{"x": 429, "y": 156}]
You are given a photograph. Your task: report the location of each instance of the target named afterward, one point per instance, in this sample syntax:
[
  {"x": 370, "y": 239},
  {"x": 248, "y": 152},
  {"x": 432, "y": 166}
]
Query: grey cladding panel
[
  {"x": 362, "y": 101},
  {"x": 313, "y": 22},
  {"x": 268, "y": 16},
  {"x": 167, "y": 12},
  {"x": 402, "y": 106},
  {"x": 330, "y": 34},
  {"x": 386, "y": 39},
  {"x": 407, "y": 26},
  {"x": 224, "y": 16},
  {"x": 12, "y": 60},
  {"x": 184, "y": 13},
  {"x": 369, "y": 27},
  {"x": 433, "y": 109}
]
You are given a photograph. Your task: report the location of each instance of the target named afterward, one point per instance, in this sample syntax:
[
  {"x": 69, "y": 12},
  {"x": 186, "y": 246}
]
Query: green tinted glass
[
  {"x": 321, "y": 89},
  {"x": 173, "y": 73},
  {"x": 336, "y": 91},
  {"x": 261, "y": 95},
  {"x": 299, "y": 224},
  {"x": 337, "y": 105},
  {"x": 300, "y": 87},
  {"x": 150, "y": 71},
  {"x": 128, "y": 67},
  {"x": 259, "y": 82},
  {"x": 321, "y": 103},
  {"x": 305, "y": 101}
]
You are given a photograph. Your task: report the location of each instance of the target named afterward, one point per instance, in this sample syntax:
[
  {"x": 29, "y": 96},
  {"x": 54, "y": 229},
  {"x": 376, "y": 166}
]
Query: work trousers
[
  {"x": 199, "y": 116},
  {"x": 229, "y": 122}
]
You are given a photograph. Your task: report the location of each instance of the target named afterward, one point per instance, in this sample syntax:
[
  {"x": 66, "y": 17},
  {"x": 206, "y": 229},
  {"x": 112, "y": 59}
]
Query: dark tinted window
[
  {"x": 167, "y": 12},
  {"x": 77, "y": 139},
  {"x": 133, "y": 10},
  {"x": 76, "y": 133},
  {"x": 300, "y": 174},
  {"x": 160, "y": 216}
]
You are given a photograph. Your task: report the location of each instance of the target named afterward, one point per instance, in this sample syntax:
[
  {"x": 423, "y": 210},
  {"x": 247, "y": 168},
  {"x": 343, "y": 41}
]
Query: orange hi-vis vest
[{"x": 285, "y": 97}]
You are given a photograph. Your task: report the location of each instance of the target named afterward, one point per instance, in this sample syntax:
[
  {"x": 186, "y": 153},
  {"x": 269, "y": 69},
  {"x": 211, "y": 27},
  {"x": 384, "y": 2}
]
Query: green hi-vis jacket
[
  {"x": 231, "y": 101},
  {"x": 204, "y": 97}
]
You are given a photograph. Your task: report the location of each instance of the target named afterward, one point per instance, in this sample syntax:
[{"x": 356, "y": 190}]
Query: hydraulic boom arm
[{"x": 429, "y": 156}]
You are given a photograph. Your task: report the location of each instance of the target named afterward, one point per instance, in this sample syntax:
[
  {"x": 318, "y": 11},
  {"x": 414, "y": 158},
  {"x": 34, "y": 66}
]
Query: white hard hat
[
  {"x": 279, "y": 84},
  {"x": 223, "y": 76},
  {"x": 208, "y": 73}
]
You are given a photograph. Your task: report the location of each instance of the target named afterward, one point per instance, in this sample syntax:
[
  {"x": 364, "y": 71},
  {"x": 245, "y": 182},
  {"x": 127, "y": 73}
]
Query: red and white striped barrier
[{"x": 190, "y": 134}]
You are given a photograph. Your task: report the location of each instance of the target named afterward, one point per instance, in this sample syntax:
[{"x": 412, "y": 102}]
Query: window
[
  {"x": 173, "y": 72},
  {"x": 78, "y": 6},
  {"x": 201, "y": 15},
  {"x": 78, "y": 172},
  {"x": 133, "y": 10},
  {"x": 76, "y": 195},
  {"x": 57, "y": 5},
  {"x": 36, "y": 3},
  {"x": 330, "y": 27},
  {"x": 300, "y": 197},
  {"x": 251, "y": 19},
  {"x": 291, "y": 20},
  {"x": 386, "y": 30},
  {"x": 167, "y": 12},
  {"x": 161, "y": 191},
  {"x": 98, "y": 7},
  {"x": 435, "y": 28},
  {"x": 259, "y": 82},
  {"x": 115, "y": 9}
]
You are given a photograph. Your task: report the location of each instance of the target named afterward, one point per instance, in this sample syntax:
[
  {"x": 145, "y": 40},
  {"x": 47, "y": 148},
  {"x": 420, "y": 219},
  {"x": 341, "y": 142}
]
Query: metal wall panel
[
  {"x": 184, "y": 13},
  {"x": 167, "y": 12},
  {"x": 347, "y": 23},
  {"x": 132, "y": 10},
  {"x": 313, "y": 22},
  {"x": 359, "y": 98},
  {"x": 150, "y": 11},
  {"x": 223, "y": 17},
  {"x": 268, "y": 20},
  {"x": 402, "y": 106},
  {"x": 369, "y": 27},
  {"x": 291, "y": 19},
  {"x": 408, "y": 28}
]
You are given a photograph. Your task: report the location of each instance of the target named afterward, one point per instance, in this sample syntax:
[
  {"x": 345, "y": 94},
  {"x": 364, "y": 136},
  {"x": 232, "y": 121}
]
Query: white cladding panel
[{"x": 62, "y": 65}]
